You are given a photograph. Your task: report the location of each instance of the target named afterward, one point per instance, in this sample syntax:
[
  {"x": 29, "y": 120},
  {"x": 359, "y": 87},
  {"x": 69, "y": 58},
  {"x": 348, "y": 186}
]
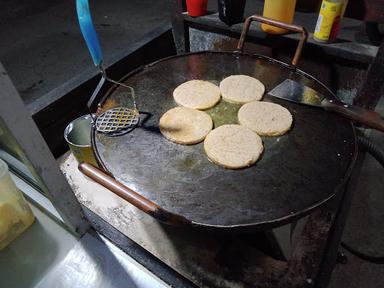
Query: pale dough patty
[
  {"x": 241, "y": 89},
  {"x": 197, "y": 94},
  {"x": 185, "y": 125},
  {"x": 233, "y": 146},
  {"x": 265, "y": 118}
]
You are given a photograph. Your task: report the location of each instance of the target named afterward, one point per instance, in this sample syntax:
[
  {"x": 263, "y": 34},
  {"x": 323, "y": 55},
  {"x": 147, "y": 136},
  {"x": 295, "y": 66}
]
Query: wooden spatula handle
[{"x": 367, "y": 117}]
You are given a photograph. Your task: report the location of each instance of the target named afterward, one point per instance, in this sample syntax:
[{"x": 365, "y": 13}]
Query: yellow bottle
[
  {"x": 15, "y": 214},
  {"x": 281, "y": 10},
  {"x": 328, "y": 22}
]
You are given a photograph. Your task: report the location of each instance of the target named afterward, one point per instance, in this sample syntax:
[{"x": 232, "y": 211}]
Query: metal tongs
[{"x": 117, "y": 120}]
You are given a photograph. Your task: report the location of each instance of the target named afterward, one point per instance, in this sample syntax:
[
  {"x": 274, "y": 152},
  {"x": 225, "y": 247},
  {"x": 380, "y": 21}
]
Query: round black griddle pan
[{"x": 177, "y": 184}]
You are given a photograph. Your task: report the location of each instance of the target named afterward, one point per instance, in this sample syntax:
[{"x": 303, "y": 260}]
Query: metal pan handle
[
  {"x": 131, "y": 196},
  {"x": 290, "y": 27}
]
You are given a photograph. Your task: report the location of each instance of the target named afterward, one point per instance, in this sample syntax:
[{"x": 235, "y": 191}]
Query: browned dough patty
[
  {"x": 197, "y": 94},
  {"x": 233, "y": 146},
  {"x": 185, "y": 125},
  {"x": 265, "y": 118},
  {"x": 241, "y": 89}
]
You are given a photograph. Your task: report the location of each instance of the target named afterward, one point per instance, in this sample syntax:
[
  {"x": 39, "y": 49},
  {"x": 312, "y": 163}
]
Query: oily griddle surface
[{"x": 297, "y": 172}]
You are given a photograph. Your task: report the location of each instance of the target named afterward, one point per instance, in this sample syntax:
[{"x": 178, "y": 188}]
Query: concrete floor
[
  {"x": 365, "y": 225},
  {"x": 41, "y": 48}
]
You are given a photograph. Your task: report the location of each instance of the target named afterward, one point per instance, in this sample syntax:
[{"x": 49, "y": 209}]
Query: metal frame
[
  {"x": 314, "y": 258},
  {"x": 26, "y": 133},
  {"x": 373, "y": 87},
  {"x": 180, "y": 29},
  {"x": 290, "y": 27}
]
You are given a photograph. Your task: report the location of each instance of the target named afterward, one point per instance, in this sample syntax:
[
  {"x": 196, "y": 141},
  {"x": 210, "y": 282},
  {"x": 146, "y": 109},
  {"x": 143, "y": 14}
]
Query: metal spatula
[
  {"x": 117, "y": 120},
  {"x": 295, "y": 92}
]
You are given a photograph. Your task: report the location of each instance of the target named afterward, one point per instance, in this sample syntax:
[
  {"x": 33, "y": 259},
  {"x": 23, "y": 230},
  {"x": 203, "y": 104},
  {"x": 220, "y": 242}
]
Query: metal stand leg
[
  {"x": 373, "y": 87},
  {"x": 179, "y": 28}
]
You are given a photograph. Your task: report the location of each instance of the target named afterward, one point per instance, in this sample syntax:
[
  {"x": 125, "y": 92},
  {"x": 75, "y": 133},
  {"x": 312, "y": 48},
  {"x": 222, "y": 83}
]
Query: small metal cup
[{"x": 78, "y": 136}]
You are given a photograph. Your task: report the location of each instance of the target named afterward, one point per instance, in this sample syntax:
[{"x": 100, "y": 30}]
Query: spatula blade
[{"x": 295, "y": 92}]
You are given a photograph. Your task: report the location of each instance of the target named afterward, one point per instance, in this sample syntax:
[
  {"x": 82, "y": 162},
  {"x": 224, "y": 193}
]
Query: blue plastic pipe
[{"x": 88, "y": 30}]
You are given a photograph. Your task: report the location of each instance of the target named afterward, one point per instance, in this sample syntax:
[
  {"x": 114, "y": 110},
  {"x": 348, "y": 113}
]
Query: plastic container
[
  {"x": 281, "y": 10},
  {"x": 231, "y": 11},
  {"x": 197, "y": 8},
  {"x": 15, "y": 214},
  {"x": 328, "y": 22}
]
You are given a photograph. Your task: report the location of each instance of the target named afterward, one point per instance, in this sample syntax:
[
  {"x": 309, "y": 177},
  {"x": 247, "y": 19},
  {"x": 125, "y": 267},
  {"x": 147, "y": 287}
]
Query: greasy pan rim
[{"x": 263, "y": 224}]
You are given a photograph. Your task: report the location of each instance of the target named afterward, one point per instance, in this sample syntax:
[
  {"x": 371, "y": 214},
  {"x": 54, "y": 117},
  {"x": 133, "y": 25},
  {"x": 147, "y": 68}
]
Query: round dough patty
[
  {"x": 265, "y": 118},
  {"x": 185, "y": 125},
  {"x": 233, "y": 146},
  {"x": 241, "y": 89},
  {"x": 197, "y": 94}
]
